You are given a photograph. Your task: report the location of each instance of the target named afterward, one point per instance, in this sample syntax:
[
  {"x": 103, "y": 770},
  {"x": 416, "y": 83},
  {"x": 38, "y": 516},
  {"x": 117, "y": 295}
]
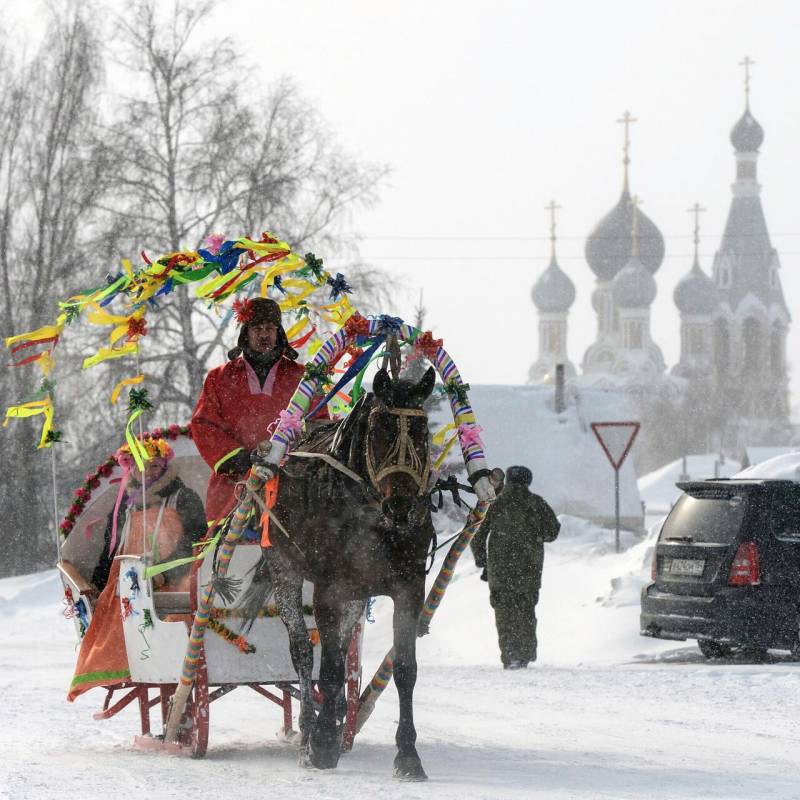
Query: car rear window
[
  {"x": 712, "y": 517},
  {"x": 785, "y": 515}
]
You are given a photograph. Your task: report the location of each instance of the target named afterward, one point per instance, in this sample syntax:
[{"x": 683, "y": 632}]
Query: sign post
[{"x": 616, "y": 439}]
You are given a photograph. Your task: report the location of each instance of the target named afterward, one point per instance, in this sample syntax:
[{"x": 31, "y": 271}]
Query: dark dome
[
  {"x": 553, "y": 291},
  {"x": 695, "y": 292},
  {"x": 747, "y": 135},
  {"x": 634, "y": 286},
  {"x": 608, "y": 247}
]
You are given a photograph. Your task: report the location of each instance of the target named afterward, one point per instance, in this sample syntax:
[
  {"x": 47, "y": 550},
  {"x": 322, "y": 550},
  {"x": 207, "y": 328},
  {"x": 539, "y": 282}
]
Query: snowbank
[
  {"x": 569, "y": 467},
  {"x": 658, "y": 490},
  {"x": 785, "y": 467}
]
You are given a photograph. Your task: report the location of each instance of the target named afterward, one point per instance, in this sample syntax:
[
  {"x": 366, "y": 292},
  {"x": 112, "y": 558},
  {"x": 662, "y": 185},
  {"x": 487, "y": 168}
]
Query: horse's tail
[{"x": 254, "y": 599}]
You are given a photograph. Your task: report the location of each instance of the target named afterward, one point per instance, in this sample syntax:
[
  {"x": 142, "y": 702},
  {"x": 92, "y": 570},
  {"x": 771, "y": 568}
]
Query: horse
[{"x": 357, "y": 525}]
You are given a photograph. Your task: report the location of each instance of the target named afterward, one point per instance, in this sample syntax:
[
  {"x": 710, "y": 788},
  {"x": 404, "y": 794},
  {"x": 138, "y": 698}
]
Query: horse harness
[{"x": 403, "y": 456}]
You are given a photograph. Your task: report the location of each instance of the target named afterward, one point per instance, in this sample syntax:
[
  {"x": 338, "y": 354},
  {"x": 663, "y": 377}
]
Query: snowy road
[{"x": 603, "y": 714}]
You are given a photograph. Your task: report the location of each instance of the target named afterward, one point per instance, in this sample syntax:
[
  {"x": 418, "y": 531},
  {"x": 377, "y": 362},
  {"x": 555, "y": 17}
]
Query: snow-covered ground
[{"x": 604, "y": 713}]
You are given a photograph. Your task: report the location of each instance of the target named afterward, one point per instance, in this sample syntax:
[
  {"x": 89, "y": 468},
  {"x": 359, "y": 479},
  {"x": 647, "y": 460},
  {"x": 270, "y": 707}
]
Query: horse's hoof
[
  {"x": 323, "y": 756},
  {"x": 409, "y": 768}
]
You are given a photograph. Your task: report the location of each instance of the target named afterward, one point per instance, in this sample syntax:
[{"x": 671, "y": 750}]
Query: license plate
[{"x": 687, "y": 566}]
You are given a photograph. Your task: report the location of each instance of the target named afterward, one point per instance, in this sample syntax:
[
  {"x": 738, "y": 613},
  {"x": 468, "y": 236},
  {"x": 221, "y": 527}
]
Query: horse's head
[{"x": 397, "y": 448}]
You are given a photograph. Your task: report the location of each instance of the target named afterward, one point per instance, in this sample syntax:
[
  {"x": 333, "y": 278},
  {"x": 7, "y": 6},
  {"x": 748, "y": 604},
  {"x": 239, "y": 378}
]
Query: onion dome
[
  {"x": 695, "y": 292},
  {"x": 634, "y": 286},
  {"x": 608, "y": 246},
  {"x": 747, "y": 135},
  {"x": 553, "y": 291}
]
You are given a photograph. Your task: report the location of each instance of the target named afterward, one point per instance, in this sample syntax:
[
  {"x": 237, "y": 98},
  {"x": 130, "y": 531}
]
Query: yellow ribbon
[
  {"x": 106, "y": 353},
  {"x": 115, "y": 392},
  {"x": 31, "y": 409},
  {"x": 46, "y": 332}
]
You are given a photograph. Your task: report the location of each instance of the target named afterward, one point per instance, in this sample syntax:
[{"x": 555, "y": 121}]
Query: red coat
[{"x": 233, "y": 413}]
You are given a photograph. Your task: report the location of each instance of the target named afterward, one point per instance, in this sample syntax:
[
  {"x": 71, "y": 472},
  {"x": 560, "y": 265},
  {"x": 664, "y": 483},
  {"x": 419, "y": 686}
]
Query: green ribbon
[
  {"x": 157, "y": 569},
  {"x": 134, "y": 445}
]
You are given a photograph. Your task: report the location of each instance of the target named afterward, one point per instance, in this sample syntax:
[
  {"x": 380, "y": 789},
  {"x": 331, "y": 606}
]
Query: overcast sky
[{"x": 487, "y": 110}]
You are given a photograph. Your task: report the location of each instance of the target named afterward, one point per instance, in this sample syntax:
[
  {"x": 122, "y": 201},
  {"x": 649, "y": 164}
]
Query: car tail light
[{"x": 745, "y": 570}]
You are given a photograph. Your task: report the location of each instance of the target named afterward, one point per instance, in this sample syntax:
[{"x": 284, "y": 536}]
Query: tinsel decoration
[{"x": 237, "y": 640}]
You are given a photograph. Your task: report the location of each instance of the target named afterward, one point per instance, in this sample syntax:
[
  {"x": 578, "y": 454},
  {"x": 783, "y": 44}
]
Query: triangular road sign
[{"x": 616, "y": 439}]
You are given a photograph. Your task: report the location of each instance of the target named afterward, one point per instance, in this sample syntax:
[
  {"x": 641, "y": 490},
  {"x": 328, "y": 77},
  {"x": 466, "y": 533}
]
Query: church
[{"x": 729, "y": 388}]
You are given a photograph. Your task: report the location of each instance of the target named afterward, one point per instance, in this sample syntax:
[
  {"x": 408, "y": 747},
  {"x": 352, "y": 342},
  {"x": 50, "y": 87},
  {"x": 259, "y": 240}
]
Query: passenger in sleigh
[{"x": 173, "y": 517}]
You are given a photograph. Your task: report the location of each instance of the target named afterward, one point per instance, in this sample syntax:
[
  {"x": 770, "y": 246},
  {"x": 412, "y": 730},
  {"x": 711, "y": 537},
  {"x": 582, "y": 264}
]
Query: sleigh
[{"x": 156, "y": 624}]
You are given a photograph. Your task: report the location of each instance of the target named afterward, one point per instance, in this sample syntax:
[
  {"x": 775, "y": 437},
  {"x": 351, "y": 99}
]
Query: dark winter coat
[{"x": 510, "y": 541}]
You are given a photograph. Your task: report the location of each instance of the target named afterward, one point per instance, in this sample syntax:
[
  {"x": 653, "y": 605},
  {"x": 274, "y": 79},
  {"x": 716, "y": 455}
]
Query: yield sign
[{"x": 616, "y": 439}]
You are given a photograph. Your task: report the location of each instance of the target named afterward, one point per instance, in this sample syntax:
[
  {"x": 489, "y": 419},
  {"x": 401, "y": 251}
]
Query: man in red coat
[{"x": 242, "y": 398}]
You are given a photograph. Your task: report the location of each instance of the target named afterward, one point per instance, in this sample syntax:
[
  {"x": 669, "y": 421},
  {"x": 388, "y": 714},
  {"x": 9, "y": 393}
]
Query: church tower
[
  {"x": 553, "y": 294},
  {"x": 696, "y": 299},
  {"x": 751, "y": 318},
  {"x": 623, "y": 351}
]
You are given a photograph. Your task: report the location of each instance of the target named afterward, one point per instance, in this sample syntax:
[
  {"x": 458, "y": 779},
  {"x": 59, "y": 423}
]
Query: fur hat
[
  {"x": 257, "y": 311},
  {"x": 519, "y": 475}
]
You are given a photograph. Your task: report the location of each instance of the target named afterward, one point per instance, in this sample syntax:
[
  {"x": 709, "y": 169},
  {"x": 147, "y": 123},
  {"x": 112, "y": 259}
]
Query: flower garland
[{"x": 270, "y": 610}]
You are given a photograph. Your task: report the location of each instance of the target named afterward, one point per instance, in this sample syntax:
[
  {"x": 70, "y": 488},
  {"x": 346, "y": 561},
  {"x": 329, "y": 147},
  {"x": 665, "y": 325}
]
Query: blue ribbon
[
  {"x": 226, "y": 258},
  {"x": 351, "y": 372},
  {"x": 389, "y": 324},
  {"x": 339, "y": 285}
]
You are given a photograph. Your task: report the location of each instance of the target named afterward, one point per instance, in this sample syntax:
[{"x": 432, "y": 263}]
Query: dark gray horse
[{"x": 354, "y": 536}]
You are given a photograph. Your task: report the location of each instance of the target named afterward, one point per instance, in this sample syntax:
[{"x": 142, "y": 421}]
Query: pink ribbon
[
  {"x": 290, "y": 422},
  {"x": 469, "y": 434},
  {"x": 214, "y": 242}
]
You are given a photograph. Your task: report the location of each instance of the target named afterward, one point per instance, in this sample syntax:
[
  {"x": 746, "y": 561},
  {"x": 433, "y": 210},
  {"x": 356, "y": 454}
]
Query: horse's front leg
[
  {"x": 289, "y": 599},
  {"x": 407, "y": 605},
  {"x": 324, "y": 744}
]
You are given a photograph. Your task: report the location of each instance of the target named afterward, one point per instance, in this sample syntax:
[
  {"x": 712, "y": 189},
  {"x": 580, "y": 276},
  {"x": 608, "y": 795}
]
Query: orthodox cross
[
  {"x": 626, "y": 120},
  {"x": 697, "y": 210},
  {"x": 552, "y": 208},
  {"x": 747, "y": 63}
]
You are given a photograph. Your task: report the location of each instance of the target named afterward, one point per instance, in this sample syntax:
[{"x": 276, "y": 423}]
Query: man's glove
[
  {"x": 265, "y": 469},
  {"x": 236, "y": 465},
  {"x": 484, "y": 576}
]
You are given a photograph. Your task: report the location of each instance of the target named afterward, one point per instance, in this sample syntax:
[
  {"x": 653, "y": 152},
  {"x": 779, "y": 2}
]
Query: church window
[
  {"x": 746, "y": 169},
  {"x": 751, "y": 339},
  {"x": 773, "y": 278},
  {"x": 696, "y": 342},
  {"x": 722, "y": 345},
  {"x": 776, "y": 350},
  {"x": 725, "y": 276},
  {"x": 634, "y": 335}
]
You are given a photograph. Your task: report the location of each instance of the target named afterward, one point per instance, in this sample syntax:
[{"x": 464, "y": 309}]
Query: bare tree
[
  {"x": 52, "y": 169},
  {"x": 193, "y": 158}
]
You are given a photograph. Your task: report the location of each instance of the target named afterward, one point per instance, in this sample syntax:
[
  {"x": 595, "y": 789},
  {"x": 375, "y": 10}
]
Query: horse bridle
[{"x": 403, "y": 456}]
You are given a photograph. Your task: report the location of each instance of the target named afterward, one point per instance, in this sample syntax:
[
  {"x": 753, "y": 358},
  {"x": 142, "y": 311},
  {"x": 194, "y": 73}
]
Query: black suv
[{"x": 726, "y": 568}]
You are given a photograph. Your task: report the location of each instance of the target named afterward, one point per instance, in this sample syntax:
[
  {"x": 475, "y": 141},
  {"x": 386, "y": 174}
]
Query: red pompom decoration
[
  {"x": 106, "y": 469},
  {"x": 136, "y": 328},
  {"x": 66, "y": 526},
  {"x": 243, "y": 310},
  {"x": 357, "y": 326},
  {"x": 427, "y": 346}
]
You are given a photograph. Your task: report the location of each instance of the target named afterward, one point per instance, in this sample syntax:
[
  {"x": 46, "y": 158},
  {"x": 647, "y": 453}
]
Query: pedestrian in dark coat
[{"x": 509, "y": 546}]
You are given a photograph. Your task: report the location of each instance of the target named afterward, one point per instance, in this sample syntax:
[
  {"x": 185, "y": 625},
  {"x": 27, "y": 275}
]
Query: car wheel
[{"x": 712, "y": 649}]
